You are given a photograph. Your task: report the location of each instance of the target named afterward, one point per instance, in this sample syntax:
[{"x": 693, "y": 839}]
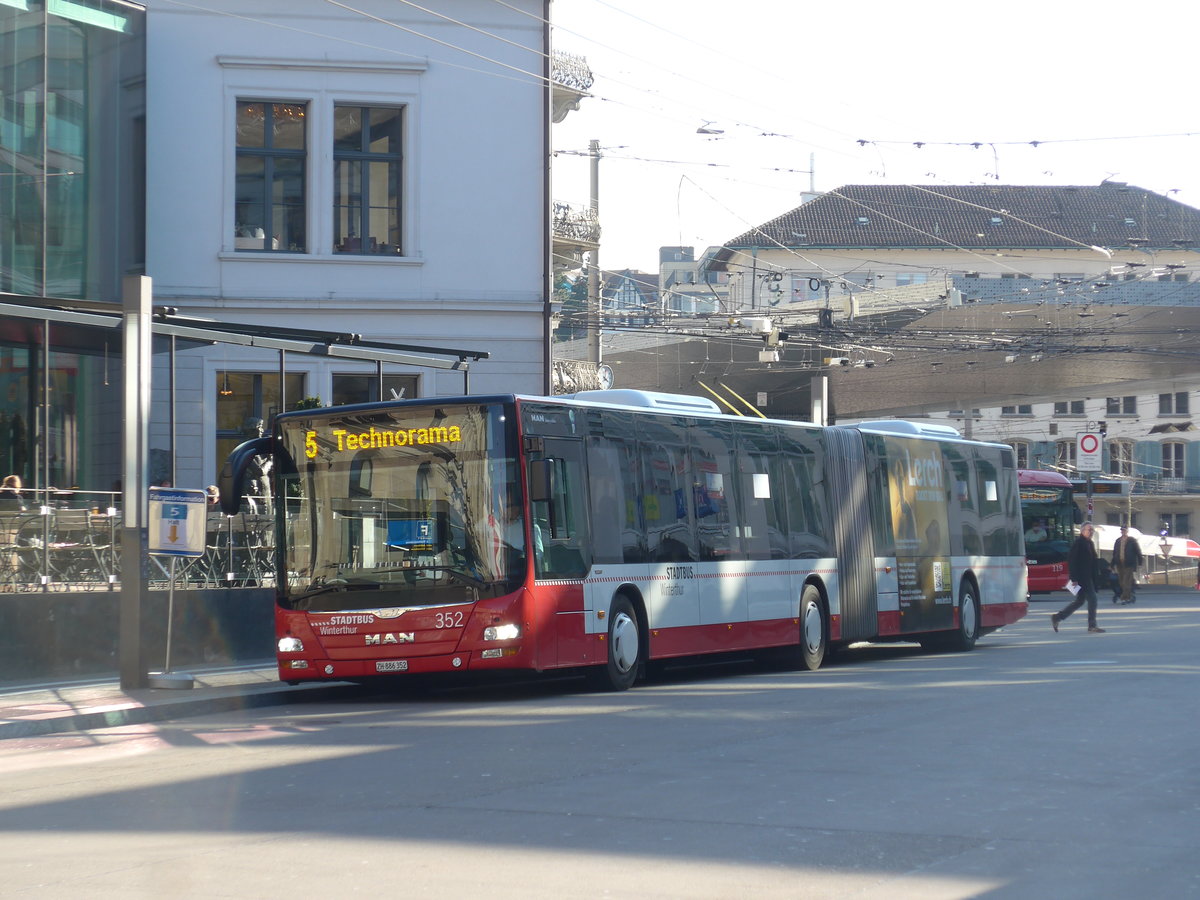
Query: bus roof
[
  {"x": 678, "y": 403},
  {"x": 1043, "y": 477},
  {"x": 901, "y": 426}
]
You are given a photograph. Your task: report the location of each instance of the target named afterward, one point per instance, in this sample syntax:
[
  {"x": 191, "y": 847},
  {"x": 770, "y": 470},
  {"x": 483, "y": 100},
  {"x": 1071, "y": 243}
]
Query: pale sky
[{"x": 1105, "y": 86}]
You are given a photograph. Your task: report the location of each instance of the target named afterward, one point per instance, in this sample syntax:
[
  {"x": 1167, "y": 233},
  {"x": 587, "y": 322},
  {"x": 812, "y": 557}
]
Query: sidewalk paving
[{"x": 32, "y": 710}]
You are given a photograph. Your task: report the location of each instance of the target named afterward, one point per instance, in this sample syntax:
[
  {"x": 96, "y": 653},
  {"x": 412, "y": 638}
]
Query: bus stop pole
[{"x": 136, "y": 298}]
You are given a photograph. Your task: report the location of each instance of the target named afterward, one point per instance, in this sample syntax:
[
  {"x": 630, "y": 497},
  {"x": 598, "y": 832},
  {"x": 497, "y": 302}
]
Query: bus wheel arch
[{"x": 626, "y": 644}]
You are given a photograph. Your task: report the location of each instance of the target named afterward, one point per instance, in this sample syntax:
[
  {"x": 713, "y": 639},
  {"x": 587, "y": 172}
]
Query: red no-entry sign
[{"x": 1089, "y": 452}]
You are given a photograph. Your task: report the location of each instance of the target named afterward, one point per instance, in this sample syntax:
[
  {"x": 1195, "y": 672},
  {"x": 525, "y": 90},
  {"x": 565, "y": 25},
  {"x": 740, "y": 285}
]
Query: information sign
[{"x": 177, "y": 521}]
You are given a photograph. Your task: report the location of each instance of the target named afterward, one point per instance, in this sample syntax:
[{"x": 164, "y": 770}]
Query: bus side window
[
  {"x": 880, "y": 490},
  {"x": 760, "y": 494},
  {"x": 995, "y": 536},
  {"x": 807, "y": 516},
  {"x": 558, "y": 551},
  {"x": 666, "y": 490},
  {"x": 616, "y": 531},
  {"x": 1010, "y": 498},
  {"x": 712, "y": 470},
  {"x": 962, "y": 502}
]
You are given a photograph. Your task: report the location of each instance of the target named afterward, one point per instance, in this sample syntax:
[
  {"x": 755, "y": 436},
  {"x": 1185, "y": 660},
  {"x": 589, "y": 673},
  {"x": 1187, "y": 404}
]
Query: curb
[{"x": 136, "y": 714}]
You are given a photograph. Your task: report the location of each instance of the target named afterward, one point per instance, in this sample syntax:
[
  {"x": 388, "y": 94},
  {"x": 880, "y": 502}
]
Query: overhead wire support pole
[
  {"x": 136, "y": 300},
  {"x": 594, "y": 317}
]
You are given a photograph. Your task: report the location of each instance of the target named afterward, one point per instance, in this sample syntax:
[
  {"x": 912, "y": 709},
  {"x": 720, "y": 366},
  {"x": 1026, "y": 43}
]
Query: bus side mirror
[
  {"x": 1077, "y": 515},
  {"x": 232, "y": 481}
]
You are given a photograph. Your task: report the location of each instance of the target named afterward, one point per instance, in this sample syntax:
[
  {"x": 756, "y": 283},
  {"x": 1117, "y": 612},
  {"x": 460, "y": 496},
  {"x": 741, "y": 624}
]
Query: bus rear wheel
[
  {"x": 813, "y": 630},
  {"x": 963, "y": 637},
  {"x": 624, "y": 642},
  {"x": 968, "y": 619}
]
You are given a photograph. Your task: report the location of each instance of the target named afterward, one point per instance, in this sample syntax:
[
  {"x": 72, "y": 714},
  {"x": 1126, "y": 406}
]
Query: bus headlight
[
  {"x": 501, "y": 632},
  {"x": 290, "y": 645}
]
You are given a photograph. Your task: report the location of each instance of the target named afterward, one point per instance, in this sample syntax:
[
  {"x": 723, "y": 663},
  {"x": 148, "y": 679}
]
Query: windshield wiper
[
  {"x": 454, "y": 573},
  {"x": 340, "y": 586}
]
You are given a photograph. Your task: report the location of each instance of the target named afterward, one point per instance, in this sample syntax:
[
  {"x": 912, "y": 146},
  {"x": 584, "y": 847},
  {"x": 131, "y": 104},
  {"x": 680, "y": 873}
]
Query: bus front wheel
[{"x": 624, "y": 642}]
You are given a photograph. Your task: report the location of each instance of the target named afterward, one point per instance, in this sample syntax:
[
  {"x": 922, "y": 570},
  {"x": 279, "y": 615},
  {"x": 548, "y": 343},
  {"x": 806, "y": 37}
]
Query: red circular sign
[{"x": 1089, "y": 443}]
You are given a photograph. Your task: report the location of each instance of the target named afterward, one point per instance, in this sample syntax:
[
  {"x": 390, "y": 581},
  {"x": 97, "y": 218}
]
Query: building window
[
  {"x": 368, "y": 168},
  {"x": 365, "y": 388},
  {"x": 1172, "y": 459},
  {"x": 808, "y": 286},
  {"x": 1121, "y": 406},
  {"x": 1022, "y": 409},
  {"x": 1173, "y": 404},
  {"x": 1120, "y": 458},
  {"x": 246, "y": 398},
  {"x": 1176, "y": 524},
  {"x": 905, "y": 278},
  {"x": 1068, "y": 408},
  {"x": 269, "y": 205},
  {"x": 1065, "y": 454},
  {"x": 1021, "y": 452}
]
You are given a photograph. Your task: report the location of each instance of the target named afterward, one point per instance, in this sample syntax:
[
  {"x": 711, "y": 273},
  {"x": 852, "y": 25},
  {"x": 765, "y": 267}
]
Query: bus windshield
[
  {"x": 399, "y": 507},
  {"x": 1048, "y": 515}
]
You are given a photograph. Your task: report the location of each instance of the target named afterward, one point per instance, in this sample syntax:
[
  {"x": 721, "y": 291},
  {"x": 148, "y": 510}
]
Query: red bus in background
[{"x": 1049, "y": 516}]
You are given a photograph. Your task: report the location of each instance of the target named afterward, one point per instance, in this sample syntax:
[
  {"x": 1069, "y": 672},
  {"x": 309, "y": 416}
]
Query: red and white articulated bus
[
  {"x": 1049, "y": 517},
  {"x": 610, "y": 529}
]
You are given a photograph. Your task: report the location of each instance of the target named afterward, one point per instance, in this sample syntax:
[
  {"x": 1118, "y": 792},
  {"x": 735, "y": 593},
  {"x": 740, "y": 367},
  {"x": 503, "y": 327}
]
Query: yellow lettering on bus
[{"x": 374, "y": 438}]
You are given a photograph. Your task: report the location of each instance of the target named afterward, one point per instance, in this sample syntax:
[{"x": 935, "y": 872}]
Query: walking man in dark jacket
[
  {"x": 1126, "y": 558},
  {"x": 1081, "y": 563}
]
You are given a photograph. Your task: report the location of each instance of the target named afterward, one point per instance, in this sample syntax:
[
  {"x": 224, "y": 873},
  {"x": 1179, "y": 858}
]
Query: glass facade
[{"x": 72, "y": 197}]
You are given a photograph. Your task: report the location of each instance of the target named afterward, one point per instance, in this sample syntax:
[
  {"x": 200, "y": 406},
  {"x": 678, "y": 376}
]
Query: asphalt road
[{"x": 1038, "y": 765}]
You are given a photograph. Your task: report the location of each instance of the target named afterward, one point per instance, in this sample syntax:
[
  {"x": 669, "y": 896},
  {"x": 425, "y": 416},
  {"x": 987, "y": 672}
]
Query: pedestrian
[
  {"x": 1081, "y": 564},
  {"x": 1126, "y": 558}
]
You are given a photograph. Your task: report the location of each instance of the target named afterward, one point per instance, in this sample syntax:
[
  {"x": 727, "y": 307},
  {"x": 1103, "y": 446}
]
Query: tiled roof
[{"x": 980, "y": 217}]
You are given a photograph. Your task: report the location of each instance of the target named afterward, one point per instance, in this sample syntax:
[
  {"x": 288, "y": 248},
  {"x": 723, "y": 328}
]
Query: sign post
[
  {"x": 1089, "y": 458},
  {"x": 176, "y": 521}
]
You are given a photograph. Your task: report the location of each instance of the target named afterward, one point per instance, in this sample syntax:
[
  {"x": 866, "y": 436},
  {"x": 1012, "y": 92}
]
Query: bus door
[
  {"x": 721, "y": 593},
  {"x": 559, "y": 541},
  {"x": 850, "y": 488},
  {"x": 672, "y": 554},
  {"x": 920, "y": 523}
]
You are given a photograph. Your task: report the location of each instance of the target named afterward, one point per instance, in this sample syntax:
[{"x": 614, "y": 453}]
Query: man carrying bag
[{"x": 1081, "y": 563}]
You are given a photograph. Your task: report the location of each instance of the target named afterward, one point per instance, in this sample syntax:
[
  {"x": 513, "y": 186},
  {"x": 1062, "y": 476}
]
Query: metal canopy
[{"x": 168, "y": 323}]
